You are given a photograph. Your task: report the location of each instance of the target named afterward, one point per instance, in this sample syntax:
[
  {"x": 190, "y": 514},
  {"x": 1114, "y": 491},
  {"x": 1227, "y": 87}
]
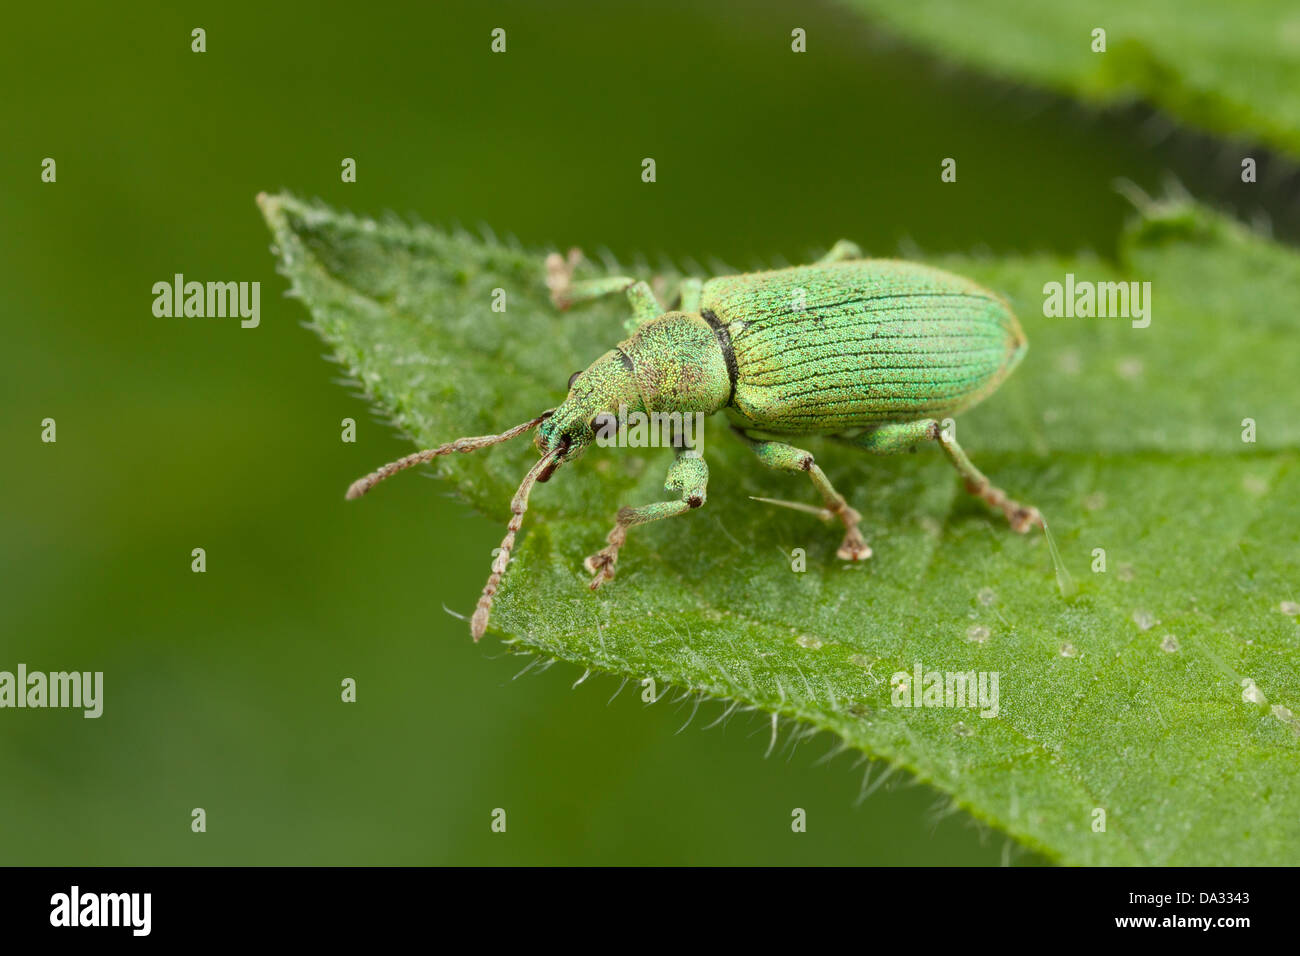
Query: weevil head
[{"x": 602, "y": 389}]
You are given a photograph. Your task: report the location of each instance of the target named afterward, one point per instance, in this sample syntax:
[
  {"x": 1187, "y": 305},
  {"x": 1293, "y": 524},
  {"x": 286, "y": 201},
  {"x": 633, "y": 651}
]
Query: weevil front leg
[
  {"x": 785, "y": 457},
  {"x": 688, "y": 478},
  {"x": 894, "y": 438},
  {"x": 565, "y": 292}
]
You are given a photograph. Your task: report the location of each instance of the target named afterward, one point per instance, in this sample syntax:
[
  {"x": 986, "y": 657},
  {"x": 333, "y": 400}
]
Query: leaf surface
[
  {"x": 1163, "y": 692},
  {"x": 1229, "y": 70}
]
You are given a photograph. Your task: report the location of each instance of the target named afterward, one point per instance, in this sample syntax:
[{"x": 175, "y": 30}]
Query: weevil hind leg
[
  {"x": 688, "y": 478},
  {"x": 899, "y": 437},
  {"x": 842, "y": 251},
  {"x": 565, "y": 292},
  {"x": 783, "y": 457}
]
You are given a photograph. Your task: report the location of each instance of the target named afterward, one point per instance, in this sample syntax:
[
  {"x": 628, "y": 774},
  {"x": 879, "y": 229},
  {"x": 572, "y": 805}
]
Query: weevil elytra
[{"x": 875, "y": 352}]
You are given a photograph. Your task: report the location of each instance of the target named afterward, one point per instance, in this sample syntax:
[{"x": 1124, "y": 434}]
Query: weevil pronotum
[{"x": 876, "y": 352}]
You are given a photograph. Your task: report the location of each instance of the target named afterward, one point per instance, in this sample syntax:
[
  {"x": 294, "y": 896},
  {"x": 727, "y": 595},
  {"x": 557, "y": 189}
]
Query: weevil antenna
[
  {"x": 465, "y": 445},
  {"x": 518, "y": 505}
]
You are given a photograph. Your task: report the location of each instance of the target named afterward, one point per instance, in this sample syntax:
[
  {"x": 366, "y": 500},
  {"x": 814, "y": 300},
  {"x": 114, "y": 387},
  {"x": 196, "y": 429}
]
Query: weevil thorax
[
  {"x": 674, "y": 363},
  {"x": 679, "y": 365}
]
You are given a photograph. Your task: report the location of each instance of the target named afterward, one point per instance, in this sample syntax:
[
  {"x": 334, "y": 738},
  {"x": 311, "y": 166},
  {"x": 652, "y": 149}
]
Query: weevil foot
[
  {"x": 559, "y": 276},
  {"x": 854, "y": 547},
  {"x": 1020, "y": 517},
  {"x": 601, "y": 566},
  {"x": 1023, "y": 517}
]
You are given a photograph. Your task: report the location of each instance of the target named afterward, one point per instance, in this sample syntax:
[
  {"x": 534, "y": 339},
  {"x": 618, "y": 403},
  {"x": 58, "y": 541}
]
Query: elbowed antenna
[
  {"x": 465, "y": 445},
  {"x": 518, "y": 505}
]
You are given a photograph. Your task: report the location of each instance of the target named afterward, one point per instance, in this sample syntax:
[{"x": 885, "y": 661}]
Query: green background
[{"x": 222, "y": 689}]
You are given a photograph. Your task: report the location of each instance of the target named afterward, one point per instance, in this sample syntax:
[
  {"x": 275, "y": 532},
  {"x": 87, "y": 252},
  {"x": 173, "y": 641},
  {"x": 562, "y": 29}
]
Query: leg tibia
[
  {"x": 785, "y": 457},
  {"x": 688, "y": 478},
  {"x": 1020, "y": 517},
  {"x": 901, "y": 436}
]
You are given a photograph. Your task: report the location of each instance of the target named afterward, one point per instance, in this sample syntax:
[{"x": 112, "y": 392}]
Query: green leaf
[
  {"x": 1228, "y": 70},
  {"x": 1128, "y": 698}
]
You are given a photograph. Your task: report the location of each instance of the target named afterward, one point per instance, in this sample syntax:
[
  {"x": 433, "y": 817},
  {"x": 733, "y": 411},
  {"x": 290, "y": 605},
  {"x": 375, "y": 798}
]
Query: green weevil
[{"x": 876, "y": 352}]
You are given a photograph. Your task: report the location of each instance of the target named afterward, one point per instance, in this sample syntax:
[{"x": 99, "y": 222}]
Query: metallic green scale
[
  {"x": 877, "y": 353},
  {"x": 825, "y": 349}
]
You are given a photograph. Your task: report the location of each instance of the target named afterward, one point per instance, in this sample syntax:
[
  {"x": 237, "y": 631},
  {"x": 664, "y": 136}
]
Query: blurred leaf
[
  {"x": 1128, "y": 698},
  {"x": 1230, "y": 71}
]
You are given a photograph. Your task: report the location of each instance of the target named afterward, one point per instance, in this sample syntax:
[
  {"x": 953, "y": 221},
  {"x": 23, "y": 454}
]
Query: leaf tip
[{"x": 272, "y": 209}]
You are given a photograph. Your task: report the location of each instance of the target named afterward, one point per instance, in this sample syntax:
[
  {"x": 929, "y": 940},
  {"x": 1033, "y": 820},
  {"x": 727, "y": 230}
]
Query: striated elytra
[{"x": 879, "y": 353}]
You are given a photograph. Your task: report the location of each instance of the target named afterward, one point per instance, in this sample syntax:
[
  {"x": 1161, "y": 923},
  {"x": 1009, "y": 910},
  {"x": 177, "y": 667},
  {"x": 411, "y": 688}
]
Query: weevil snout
[
  {"x": 562, "y": 447},
  {"x": 568, "y": 439},
  {"x": 601, "y": 391}
]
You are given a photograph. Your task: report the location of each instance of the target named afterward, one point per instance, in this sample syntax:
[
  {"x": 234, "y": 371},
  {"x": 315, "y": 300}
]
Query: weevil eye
[{"x": 573, "y": 378}]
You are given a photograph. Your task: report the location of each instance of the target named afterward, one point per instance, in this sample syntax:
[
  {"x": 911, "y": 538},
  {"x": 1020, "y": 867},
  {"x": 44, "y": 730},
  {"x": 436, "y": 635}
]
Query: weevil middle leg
[
  {"x": 785, "y": 457},
  {"x": 901, "y": 436},
  {"x": 565, "y": 292},
  {"x": 690, "y": 290},
  {"x": 688, "y": 478}
]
